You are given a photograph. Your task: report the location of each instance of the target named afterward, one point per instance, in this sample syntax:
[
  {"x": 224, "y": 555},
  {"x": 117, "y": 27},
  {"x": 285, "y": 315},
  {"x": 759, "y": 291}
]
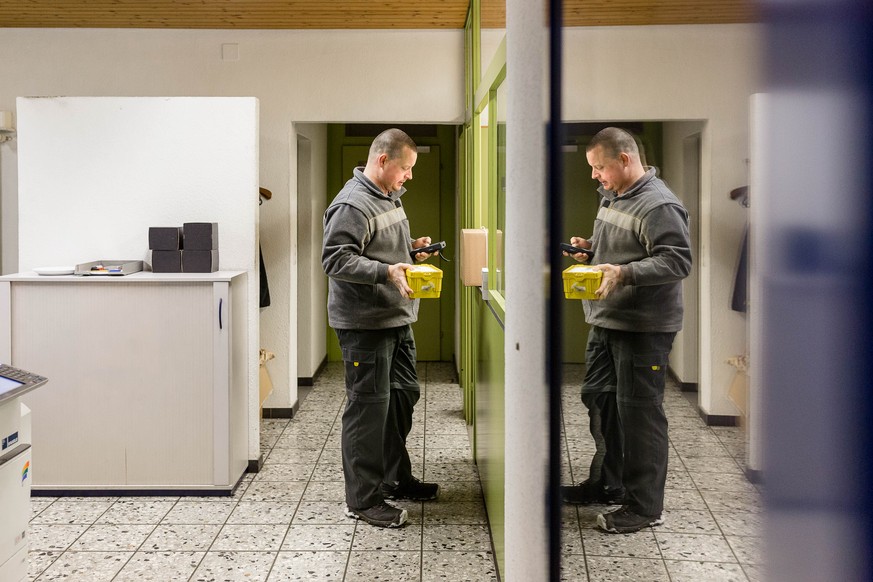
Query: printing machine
[{"x": 15, "y": 470}]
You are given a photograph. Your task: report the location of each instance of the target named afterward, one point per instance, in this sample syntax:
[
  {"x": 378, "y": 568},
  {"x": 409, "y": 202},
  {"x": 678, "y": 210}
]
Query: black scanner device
[{"x": 438, "y": 246}]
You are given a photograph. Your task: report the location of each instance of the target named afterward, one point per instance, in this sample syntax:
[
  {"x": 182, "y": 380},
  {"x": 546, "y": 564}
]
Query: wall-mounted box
[{"x": 474, "y": 255}]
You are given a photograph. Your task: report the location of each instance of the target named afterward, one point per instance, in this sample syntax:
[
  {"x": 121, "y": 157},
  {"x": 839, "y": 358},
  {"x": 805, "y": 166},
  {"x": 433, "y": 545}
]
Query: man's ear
[
  {"x": 383, "y": 159},
  {"x": 624, "y": 158}
]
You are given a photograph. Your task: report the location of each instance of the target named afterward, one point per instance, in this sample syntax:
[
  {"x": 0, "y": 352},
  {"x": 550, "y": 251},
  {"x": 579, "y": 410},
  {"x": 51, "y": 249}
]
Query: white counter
[{"x": 149, "y": 379}]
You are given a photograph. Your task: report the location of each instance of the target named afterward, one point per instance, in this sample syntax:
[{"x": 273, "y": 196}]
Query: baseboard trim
[
  {"x": 282, "y": 412},
  {"x": 718, "y": 419},
  {"x": 683, "y": 386},
  {"x": 131, "y": 492},
  {"x": 49, "y": 491},
  {"x": 689, "y": 388},
  {"x": 255, "y": 465},
  {"x": 310, "y": 381},
  {"x": 755, "y": 476}
]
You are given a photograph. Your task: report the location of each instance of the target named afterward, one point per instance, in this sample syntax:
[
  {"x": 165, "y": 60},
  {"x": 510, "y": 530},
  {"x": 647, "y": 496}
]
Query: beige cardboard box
[{"x": 474, "y": 255}]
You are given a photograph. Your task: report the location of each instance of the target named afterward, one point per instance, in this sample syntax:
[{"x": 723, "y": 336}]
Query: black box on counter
[
  {"x": 200, "y": 236},
  {"x": 165, "y": 238},
  {"x": 166, "y": 261},
  {"x": 199, "y": 261}
]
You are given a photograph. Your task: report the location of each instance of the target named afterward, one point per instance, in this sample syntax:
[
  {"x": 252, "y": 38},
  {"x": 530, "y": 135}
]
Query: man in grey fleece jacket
[
  {"x": 365, "y": 252},
  {"x": 642, "y": 246}
]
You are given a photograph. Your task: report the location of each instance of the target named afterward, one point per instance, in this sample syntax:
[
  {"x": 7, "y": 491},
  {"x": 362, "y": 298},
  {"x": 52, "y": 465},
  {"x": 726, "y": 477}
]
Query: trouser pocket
[
  {"x": 649, "y": 378},
  {"x": 361, "y": 372}
]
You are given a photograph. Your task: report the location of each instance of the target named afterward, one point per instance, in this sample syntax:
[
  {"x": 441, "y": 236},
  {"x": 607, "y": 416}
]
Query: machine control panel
[{"x": 14, "y": 382}]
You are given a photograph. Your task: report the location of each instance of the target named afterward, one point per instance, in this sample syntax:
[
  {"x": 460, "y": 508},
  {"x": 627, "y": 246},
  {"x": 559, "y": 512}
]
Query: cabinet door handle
[{"x": 220, "y": 301}]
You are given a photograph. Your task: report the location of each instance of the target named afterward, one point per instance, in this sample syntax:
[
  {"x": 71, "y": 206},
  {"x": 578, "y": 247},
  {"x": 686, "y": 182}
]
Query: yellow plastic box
[
  {"x": 426, "y": 281},
  {"x": 581, "y": 281}
]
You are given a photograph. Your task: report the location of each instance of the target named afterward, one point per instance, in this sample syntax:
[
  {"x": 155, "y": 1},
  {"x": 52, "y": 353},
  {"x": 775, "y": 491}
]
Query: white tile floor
[
  {"x": 287, "y": 522},
  {"x": 712, "y": 512}
]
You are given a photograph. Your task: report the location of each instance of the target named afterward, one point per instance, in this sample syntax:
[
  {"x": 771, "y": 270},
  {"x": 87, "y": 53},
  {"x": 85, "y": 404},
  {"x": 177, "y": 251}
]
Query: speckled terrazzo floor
[
  {"x": 712, "y": 529},
  {"x": 286, "y": 523}
]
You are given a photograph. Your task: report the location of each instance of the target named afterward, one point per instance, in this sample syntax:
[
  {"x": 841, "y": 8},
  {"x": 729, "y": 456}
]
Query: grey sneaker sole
[
  {"x": 601, "y": 523},
  {"x": 571, "y": 501},
  {"x": 395, "y": 496},
  {"x": 403, "y": 517}
]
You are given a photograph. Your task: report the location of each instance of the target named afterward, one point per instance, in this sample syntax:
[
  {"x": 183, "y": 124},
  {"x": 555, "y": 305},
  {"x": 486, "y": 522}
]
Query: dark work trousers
[
  {"x": 382, "y": 389},
  {"x": 606, "y": 469},
  {"x": 627, "y": 372}
]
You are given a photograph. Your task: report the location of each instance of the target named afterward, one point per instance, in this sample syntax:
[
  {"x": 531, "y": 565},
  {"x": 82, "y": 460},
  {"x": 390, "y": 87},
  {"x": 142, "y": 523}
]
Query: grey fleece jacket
[
  {"x": 364, "y": 232},
  {"x": 645, "y": 230}
]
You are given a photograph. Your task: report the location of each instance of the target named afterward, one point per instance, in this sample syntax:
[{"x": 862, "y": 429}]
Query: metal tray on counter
[{"x": 108, "y": 268}]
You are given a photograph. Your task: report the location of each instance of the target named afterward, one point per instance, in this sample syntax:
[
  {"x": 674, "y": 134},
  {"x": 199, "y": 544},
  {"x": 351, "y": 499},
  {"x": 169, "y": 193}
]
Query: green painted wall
[{"x": 490, "y": 427}]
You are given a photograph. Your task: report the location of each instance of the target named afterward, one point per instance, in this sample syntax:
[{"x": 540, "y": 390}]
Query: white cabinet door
[{"x": 130, "y": 396}]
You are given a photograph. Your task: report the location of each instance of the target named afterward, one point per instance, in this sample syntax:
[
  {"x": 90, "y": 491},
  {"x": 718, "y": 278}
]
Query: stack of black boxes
[{"x": 191, "y": 248}]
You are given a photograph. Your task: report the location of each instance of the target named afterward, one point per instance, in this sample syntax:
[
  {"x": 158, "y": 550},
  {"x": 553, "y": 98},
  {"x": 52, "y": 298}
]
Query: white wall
[
  {"x": 298, "y": 76},
  {"x": 675, "y": 170},
  {"x": 678, "y": 73},
  {"x": 96, "y": 172},
  {"x": 666, "y": 73},
  {"x": 312, "y": 289}
]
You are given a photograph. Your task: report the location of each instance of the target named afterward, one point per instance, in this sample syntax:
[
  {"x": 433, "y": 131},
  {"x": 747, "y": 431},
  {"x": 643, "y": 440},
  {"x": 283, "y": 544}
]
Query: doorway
[
  {"x": 581, "y": 202},
  {"x": 429, "y": 203}
]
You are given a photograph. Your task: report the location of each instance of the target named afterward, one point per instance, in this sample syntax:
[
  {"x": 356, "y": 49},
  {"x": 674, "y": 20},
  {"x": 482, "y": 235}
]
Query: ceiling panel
[
  {"x": 350, "y": 14},
  {"x": 244, "y": 14}
]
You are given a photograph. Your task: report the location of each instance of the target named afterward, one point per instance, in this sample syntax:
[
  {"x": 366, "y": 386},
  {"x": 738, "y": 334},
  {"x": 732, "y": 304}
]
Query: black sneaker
[
  {"x": 380, "y": 515},
  {"x": 414, "y": 490},
  {"x": 624, "y": 520},
  {"x": 587, "y": 493}
]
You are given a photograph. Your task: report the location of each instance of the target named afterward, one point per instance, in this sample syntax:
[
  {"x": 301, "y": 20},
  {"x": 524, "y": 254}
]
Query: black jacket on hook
[{"x": 265, "y": 288}]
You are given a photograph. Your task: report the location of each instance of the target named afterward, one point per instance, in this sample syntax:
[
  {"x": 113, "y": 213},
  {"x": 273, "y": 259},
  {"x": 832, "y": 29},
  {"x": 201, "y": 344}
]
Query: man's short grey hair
[
  {"x": 392, "y": 142},
  {"x": 614, "y": 141}
]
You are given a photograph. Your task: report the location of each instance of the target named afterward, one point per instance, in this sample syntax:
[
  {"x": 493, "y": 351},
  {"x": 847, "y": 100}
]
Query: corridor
[{"x": 287, "y": 523}]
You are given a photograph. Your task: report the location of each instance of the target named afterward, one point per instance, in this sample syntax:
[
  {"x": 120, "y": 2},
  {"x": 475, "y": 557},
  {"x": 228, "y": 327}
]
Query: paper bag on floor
[
  {"x": 738, "y": 393},
  {"x": 266, "y": 385}
]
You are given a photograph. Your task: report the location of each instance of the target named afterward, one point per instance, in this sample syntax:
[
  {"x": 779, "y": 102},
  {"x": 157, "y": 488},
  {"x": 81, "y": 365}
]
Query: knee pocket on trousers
[
  {"x": 649, "y": 378},
  {"x": 361, "y": 372}
]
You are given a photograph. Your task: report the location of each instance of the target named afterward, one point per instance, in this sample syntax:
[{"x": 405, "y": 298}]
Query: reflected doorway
[{"x": 674, "y": 148}]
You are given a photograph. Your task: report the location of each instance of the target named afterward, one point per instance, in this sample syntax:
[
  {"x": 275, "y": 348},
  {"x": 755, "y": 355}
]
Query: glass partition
[
  {"x": 499, "y": 115},
  {"x": 492, "y": 30}
]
